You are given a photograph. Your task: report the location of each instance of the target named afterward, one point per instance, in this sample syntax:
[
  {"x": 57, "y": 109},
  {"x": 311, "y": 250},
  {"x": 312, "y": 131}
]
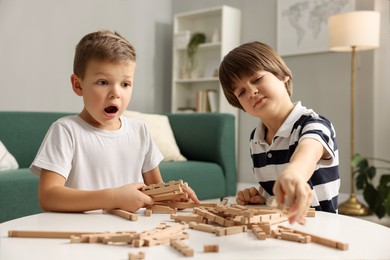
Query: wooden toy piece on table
[
  {"x": 219, "y": 231},
  {"x": 211, "y": 248},
  {"x": 182, "y": 247},
  {"x": 137, "y": 256},
  {"x": 317, "y": 239},
  {"x": 226, "y": 220},
  {"x": 123, "y": 214},
  {"x": 169, "y": 197},
  {"x": 169, "y": 191}
]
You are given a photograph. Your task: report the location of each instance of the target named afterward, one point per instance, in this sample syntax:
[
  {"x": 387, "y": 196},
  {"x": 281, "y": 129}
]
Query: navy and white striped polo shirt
[{"x": 270, "y": 160}]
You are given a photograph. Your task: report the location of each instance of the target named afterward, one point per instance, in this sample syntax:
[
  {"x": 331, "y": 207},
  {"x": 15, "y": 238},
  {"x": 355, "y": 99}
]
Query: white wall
[{"x": 37, "y": 41}]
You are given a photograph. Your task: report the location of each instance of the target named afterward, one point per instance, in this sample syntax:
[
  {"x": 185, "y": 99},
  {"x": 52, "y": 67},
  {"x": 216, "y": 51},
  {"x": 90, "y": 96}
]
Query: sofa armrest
[{"x": 208, "y": 137}]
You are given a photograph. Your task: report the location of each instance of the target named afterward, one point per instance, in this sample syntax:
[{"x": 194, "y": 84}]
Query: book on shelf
[{"x": 207, "y": 101}]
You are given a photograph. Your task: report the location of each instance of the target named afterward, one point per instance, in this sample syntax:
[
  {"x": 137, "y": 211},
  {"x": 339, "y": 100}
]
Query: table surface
[{"x": 366, "y": 240}]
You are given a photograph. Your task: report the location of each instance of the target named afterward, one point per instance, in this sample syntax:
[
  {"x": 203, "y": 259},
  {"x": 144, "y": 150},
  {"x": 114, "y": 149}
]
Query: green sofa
[{"x": 207, "y": 140}]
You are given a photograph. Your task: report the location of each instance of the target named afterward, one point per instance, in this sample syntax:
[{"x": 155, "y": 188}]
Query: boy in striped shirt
[{"x": 293, "y": 149}]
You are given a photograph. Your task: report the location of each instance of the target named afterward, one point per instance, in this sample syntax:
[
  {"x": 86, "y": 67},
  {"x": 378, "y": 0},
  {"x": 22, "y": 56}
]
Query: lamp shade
[{"x": 359, "y": 29}]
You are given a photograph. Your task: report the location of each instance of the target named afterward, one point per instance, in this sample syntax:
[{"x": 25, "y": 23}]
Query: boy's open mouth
[{"x": 111, "y": 109}]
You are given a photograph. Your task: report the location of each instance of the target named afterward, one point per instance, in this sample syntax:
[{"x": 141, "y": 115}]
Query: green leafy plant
[
  {"x": 377, "y": 197},
  {"x": 192, "y": 47}
]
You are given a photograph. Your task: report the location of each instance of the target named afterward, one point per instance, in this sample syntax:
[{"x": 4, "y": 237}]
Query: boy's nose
[
  {"x": 253, "y": 91},
  {"x": 115, "y": 93}
]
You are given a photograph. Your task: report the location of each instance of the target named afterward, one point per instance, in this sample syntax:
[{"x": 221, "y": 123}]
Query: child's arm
[
  {"x": 250, "y": 196},
  {"x": 54, "y": 196},
  {"x": 291, "y": 185}
]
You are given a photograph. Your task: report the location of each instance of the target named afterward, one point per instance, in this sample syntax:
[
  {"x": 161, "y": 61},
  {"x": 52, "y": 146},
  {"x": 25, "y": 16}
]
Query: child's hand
[
  {"x": 130, "y": 197},
  {"x": 249, "y": 196},
  {"x": 295, "y": 193},
  {"x": 191, "y": 193}
]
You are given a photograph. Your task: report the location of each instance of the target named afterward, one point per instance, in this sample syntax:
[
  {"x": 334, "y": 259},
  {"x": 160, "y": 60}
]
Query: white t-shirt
[{"x": 90, "y": 158}]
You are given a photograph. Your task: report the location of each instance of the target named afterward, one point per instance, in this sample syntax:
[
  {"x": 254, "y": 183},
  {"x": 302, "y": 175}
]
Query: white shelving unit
[{"x": 222, "y": 27}]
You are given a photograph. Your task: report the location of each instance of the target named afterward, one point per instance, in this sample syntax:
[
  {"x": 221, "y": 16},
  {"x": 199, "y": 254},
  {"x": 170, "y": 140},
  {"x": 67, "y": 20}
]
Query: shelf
[{"x": 222, "y": 27}]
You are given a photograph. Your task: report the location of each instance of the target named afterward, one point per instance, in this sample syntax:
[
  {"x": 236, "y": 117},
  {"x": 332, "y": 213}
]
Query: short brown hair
[
  {"x": 101, "y": 45},
  {"x": 247, "y": 59}
]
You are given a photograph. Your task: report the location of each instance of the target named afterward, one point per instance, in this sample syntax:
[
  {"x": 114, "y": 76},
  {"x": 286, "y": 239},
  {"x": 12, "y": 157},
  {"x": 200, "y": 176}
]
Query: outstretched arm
[{"x": 291, "y": 186}]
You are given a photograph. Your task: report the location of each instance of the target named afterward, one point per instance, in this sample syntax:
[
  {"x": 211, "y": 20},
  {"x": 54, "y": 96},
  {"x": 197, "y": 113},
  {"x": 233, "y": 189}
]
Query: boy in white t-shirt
[{"x": 99, "y": 159}]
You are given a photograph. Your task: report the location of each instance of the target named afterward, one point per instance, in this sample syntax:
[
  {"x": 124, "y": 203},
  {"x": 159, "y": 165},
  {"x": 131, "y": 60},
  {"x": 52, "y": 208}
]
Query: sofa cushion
[
  {"x": 161, "y": 132},
  {"x": 7, "y": 161},
  {"x": 19, "y": 191},
  {"x": 201, "y": 176}
]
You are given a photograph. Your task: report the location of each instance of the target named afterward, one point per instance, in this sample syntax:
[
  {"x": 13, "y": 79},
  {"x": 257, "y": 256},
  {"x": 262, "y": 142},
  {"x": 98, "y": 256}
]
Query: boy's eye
[
  {"x": 102, "y": 82},
  {"x": 256, "y": 80},
  {"x": 240, "y": 92},
  {"x": 126, "y": 84}
]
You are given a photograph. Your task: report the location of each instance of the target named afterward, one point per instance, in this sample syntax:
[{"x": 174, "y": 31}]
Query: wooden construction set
[{"x": 219, "y": 219}]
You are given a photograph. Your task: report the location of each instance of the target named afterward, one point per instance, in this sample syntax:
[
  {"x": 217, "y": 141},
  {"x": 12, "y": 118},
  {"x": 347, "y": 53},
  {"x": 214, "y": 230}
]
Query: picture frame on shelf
[{"x": 302, "y": 27}]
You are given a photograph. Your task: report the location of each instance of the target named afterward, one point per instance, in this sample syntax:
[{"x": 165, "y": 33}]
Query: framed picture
[{"x": 302, "y": 25}]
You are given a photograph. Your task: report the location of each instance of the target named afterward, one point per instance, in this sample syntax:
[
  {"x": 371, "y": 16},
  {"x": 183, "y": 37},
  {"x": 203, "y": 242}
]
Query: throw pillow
[
  {"x": 7, "y": 161},
  {"x": 161, "y": 133}
]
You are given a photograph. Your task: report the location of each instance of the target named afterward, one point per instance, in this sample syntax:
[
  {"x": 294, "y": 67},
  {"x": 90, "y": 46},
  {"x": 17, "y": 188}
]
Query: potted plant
[
  {"x": 376, "y": 196},
  {"x": 192, "y": 48}
]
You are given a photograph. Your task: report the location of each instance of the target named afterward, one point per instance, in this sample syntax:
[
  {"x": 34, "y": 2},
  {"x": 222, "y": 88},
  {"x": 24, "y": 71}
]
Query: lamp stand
[{"x": 352, "y": 206}]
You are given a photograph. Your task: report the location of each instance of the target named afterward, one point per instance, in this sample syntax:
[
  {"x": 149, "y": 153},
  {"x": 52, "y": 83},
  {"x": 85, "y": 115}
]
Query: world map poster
[{"x": 302, "y": 25}]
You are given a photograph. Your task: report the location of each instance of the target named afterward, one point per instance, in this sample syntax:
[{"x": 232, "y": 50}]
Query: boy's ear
[
  {"x": 287, "y": 78},
  {"x": 76, "y": 85}
]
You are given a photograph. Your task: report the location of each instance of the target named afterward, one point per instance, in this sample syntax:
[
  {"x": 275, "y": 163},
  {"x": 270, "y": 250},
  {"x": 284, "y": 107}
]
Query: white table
[{"x": 366, "y": 240}]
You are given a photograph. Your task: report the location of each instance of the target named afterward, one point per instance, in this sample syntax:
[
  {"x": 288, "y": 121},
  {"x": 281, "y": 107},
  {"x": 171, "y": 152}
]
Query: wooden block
[
  {"x": 259, "y": 233},
  {"x": 138, "y": 242},
  {"x": 154, "y": 241},
  {"x": 202, "y": 227},
  {"x": 230, "y": 230},
  {"x": 162, "y": 209},
  {"x": 187, "y": 218},
  {"x": 239, "y": 206},
  {"x": 266, "y": 227},
  {"x": 170, "y": 196},
  {"x": 311, "y": 213},
  {"x": 322, "y": 240},
  {"x": 295, "y": 237},
  {"x": 123, "y": 214},
  {"x": 200, "y": 211},
  {"x": 137, "y": 256},
  {"x": 45, "y": 234},
  {"x": 223, "y": 202},
  {"x": 160, "y": 188},
  {"x": 163, "y": 233},
  {"x": 184, "y": 205},
  {"x": 148, "y": 212},
  {"x": 182, "y": 247},
  {"x": 211, "y": 248},
  {"x": 125, "y": 237}
]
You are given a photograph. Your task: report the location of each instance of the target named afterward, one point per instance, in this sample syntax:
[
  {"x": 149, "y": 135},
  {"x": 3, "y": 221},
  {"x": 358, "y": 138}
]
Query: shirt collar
[{"x": 286, "y": 127}]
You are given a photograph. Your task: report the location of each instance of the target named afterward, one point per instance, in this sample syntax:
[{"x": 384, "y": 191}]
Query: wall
[
  {"x": 322, "y": 82},
  {"x": 37, "y": 41}
]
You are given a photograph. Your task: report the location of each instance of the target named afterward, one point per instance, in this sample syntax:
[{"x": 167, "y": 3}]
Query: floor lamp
[{"x": 352, "y": 32}]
